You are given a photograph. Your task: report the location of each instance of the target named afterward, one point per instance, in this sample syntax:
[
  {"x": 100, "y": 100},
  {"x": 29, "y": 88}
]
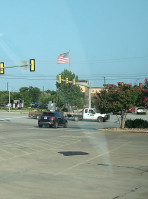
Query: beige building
[{"x": 94, "y": 90}]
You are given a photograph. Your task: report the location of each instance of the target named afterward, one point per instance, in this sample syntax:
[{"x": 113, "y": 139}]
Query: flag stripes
[{"x": 63, "y": 58}]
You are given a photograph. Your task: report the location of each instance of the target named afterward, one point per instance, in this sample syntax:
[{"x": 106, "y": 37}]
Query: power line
[
  {"x": 89, "y": 78},
  {"x": 124, "y": 59},
  {"x": 84, "y": 75}
]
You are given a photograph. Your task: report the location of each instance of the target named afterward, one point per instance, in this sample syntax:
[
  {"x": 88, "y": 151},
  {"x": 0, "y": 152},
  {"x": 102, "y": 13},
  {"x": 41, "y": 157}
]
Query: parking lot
[{"x": 82, "y": 161}]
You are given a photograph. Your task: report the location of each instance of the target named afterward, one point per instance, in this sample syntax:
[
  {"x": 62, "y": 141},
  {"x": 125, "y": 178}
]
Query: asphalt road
[{"x": 80, "y": 162}]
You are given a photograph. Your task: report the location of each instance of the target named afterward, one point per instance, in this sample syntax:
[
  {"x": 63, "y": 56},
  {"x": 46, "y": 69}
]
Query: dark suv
[{"x": 52, "y": 119}]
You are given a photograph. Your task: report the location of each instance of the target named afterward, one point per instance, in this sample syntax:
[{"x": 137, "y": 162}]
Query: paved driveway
[{"x": 78, "y": 162}]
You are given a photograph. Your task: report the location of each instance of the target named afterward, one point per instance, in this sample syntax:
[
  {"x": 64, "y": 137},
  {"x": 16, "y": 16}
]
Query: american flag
[{"x": 63, "y": 58}]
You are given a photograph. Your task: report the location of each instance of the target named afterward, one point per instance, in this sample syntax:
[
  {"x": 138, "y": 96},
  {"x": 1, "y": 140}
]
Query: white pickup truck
[{"x": 89, "y": 114}]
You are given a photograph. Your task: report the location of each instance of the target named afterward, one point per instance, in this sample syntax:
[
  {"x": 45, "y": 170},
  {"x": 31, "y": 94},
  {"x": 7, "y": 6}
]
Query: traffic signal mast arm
[
  {"x": 65, "y": 80},
  {"x": 86, "y": 85},
  {"x": 73, "y": 81},
  {"x": 32, "y": 65},
  {"x": 15, "y": 66}
]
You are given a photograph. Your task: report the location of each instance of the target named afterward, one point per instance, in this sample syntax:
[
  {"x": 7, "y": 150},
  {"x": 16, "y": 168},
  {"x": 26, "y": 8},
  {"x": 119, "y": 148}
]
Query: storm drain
[{"x": 70, "y": 153}]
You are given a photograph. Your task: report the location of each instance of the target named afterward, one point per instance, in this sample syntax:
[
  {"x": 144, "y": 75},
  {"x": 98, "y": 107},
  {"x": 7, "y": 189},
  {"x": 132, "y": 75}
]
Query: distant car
[
  {"x": 2, "y": 106},
  {"x": 141, "y": 110},
  {"x": 52, "y": 119},
  {"x": 132, "y": 110}
]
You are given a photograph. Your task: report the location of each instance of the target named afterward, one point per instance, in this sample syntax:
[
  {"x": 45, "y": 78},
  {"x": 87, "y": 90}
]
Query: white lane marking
[
  {"x": 76, "y": 165},
  {"x": 3, "y": 119},
  {"x": 11, "y": 118},
  {"x": 31, "y": 145}
]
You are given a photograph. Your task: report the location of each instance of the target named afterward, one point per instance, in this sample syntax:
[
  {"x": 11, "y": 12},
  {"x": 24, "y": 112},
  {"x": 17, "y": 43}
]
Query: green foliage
[
  {"x": 4, "y": 97},
  {"x": 114, "y": 99},
  {"x": 118, "y": 98},
  {"x": 44, "y": 99},
  {"x": 137, "y": 123},
  {"x": 68, "y": 93},
  {"x": 15, "y": 95},
  {"x": 30, "y": 94},
  {"x": 143, "y": 99}
]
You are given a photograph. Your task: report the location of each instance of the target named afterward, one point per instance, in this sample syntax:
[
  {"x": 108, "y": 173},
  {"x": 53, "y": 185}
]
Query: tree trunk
[
  {"x": 119, "y": 120},
  {"x": 123, "y": 117}
]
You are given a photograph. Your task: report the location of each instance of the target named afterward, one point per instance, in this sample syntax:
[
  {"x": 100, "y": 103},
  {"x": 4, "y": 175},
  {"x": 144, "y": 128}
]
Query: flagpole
[{"x": 69, "y": 60}]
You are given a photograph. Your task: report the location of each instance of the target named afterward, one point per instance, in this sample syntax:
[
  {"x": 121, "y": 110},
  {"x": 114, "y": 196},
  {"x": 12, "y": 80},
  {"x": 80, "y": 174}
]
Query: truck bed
[{"x": 74, "y": 115}]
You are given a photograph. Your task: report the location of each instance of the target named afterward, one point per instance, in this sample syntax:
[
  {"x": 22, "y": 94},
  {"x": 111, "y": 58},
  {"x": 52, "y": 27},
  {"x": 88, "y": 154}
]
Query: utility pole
[
  {"x": 69, "y": 62},
  {"x": 104, "y": 81},
  {"x": 89, "y": 95},
  {"x": 7, "y": 86},
  {"x": 9, "y": 101}
]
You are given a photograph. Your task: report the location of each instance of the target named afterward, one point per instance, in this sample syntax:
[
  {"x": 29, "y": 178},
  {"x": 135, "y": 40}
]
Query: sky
[{"x": 107, "y": 40}]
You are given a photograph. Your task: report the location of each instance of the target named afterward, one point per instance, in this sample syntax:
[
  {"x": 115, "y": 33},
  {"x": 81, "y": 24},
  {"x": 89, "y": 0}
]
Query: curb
[{"x": 125, "y": 130}]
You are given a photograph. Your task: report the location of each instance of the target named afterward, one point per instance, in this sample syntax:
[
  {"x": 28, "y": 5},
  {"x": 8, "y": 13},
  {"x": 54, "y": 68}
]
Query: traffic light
[
  {"x": 60, "y": 79},
  {"x": 32, "y": 65},
  {"x": 1, "y": 67},
  {"x": 74, "y": 81},
  {"x": 67, "y": 80}
]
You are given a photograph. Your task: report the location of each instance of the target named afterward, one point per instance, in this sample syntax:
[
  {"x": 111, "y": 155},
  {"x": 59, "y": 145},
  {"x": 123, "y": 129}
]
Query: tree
[
  {"x": 4, "y": 97},
  {"x": 15, "y": 95},
  {"x": 34, "y": 94},
  {"x": 44, "y": 99},
  {"x": 118, "y": 98},
  {"x": 29, "y": 94},
  {"x": 68, "y": 93},
  {"x": 24, "y": 93},
  {"x": 144, "y": 95}
]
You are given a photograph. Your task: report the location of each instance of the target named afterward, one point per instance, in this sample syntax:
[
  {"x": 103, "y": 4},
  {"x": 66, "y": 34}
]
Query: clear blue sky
[{"x": 106, "y": 38}]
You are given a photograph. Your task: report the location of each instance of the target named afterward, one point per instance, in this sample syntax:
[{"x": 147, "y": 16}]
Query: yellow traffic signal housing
[
  {"x": 67, "y": 80},
  {"x": 74, "y": 81},
  {"x": 1, "y": 67},
  {"x": 60, "y": 78},
  {"x": 32, "y": 65}
]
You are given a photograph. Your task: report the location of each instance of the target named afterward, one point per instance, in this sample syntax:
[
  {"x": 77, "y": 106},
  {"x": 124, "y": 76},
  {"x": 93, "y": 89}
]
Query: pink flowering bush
[{"x": 118, "y": 98}]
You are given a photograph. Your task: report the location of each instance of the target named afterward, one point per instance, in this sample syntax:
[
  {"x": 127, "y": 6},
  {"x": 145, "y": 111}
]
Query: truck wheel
[{"x": 100, "y": 119}]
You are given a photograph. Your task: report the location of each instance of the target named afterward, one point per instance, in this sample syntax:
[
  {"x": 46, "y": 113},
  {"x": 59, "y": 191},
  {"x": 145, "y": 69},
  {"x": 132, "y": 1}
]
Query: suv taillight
[
  {"x": 39, "y": 117},
  {"x": 52, "y": 118}
]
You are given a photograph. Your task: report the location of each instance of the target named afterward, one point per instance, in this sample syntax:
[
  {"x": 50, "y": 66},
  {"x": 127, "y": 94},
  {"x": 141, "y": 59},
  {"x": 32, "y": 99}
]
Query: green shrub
[{"x": 137, "y": 123}]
